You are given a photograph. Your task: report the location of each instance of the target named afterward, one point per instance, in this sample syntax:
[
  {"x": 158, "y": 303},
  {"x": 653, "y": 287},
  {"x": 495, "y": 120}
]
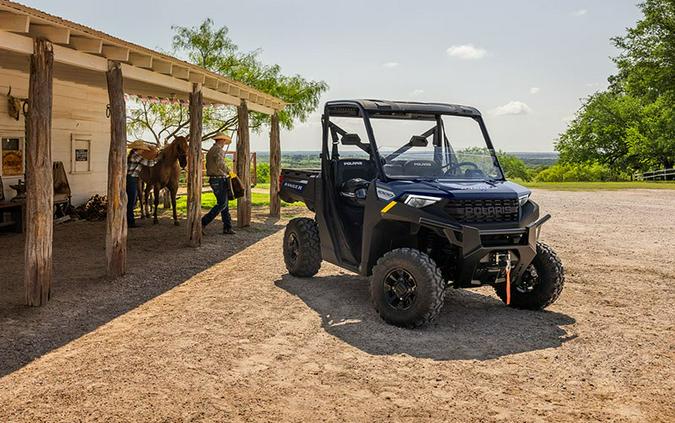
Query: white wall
[{"x": 77, "y": 109}]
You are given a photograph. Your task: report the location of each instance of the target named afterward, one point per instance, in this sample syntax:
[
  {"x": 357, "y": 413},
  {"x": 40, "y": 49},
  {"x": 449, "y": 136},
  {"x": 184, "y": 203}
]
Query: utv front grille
[{"x": 483, "y": 211}]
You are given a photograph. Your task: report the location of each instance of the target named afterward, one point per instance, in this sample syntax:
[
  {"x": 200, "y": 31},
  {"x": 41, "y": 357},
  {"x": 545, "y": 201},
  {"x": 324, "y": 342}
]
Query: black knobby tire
[
  {"x": 409, "y": 267},
  {"x": 302, "y": 247},
  {"x": 548, "y": 286}
]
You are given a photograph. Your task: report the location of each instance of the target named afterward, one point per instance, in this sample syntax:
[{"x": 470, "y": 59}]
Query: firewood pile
[{"x": 94, "y": 209}]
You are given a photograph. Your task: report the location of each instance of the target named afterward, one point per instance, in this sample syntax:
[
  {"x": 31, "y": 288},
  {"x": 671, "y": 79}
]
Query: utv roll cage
[{"x": 402, "y": 110}]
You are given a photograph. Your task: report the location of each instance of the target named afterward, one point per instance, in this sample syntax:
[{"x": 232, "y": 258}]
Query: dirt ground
[{"x": 224, "y": 334}]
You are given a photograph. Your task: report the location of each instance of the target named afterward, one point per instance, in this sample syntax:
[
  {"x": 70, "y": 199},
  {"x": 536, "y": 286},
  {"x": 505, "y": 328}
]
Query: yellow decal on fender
[{"x": 388, "y": 207}]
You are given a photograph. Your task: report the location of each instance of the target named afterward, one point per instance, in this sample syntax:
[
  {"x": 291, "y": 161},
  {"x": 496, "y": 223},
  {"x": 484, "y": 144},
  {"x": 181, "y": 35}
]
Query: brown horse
[{"x": 164, "y": 174}]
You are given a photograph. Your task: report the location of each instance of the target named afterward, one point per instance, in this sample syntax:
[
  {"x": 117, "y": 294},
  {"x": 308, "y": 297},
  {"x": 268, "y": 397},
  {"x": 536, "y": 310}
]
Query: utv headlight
[
  {"x": 522, "y": 199},
  {"x": 419, "y": 201}
]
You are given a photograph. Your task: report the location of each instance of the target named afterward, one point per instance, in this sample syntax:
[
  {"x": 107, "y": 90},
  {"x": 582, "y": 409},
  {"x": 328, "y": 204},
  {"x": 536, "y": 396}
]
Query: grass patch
[
  {"x": 209, "y": 200},
  {"x": 595, "y": 186}
]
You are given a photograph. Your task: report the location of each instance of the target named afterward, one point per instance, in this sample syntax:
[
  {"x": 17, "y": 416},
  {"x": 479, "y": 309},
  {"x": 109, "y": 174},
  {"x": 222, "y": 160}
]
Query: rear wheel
[
  {"x": 407, "y": 288},
  {"x": 302, "y": 248},
  {"x": 540, "y": 285}
]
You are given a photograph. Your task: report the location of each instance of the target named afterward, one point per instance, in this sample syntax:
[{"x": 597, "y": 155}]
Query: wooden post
[
  {"x": 243, "y": 166},
  {"x": 194, "y": 179},
  {"x": 116, "y": 219},
  {"x": 40, "y": 185},
  {"x": 275, "y": 166}
]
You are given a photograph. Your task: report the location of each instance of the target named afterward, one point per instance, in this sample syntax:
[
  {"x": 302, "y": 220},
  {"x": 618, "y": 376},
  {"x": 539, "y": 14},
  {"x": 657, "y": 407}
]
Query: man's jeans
[
  {"x": 132, "y": 193},
  {"x": 221, "y": 188}
]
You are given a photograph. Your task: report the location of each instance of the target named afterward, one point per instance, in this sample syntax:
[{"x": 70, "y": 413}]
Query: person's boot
[{"x": 228, "y": 231}]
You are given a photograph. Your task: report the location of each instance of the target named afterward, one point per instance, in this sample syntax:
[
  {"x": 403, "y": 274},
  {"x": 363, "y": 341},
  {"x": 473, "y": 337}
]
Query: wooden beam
[
  {"x": 162, "y": 67},
  {"x": 116, "y": 218},
  {"x": 118, "y": 54},
  {"x": 16, "y": 43},
  {"x": 13, "y": 22},
  {"x": 150, "y": 77},
  {"x": 217, "y": 97},
  {"x": 275, "y": 166},
  {"x": 140, "y": 60},
  {"x": 196, "y": 77},
  {"x": 194, "y": 187},
  {"x": 211, "y": 83},
  {"x": 55, "y": 34},
  {"x": 260, "y": 108},
  {"x": 243, "y": 165},
  {"x": 39, "y": 186},
  {"x": 224, "y": 87},
  {"x": 180, "y": 72},
  {"x": 86, "y": 45}
]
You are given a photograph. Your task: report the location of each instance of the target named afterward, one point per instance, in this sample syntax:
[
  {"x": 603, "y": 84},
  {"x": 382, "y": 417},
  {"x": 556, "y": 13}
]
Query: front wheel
[
  {"x": 540, "y": 285},
  {"x": 302, "y": 248},
  {"x": 407, "y": 288}
]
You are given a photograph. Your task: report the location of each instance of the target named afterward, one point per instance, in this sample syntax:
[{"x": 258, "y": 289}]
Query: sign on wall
[
  {"x": 12, "y": 156},
  {"x": 80, "y": 154}
]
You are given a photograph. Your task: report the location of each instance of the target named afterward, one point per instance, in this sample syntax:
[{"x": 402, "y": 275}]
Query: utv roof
[{"x": 353, "y": 107}]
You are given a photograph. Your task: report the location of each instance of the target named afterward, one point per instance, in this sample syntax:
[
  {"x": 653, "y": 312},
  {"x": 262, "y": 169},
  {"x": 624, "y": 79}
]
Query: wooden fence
[{"x": 655, "y": 175}]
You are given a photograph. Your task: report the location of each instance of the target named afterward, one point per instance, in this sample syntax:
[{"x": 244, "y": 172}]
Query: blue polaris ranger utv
[{"x": 412, "y": 196}]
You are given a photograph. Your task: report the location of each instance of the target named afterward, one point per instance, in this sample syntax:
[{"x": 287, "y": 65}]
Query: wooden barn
[{"x": 63, "y": 87}]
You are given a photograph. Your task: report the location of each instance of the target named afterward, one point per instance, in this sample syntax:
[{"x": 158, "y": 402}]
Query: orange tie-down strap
[{"x": 508, "y": 279}]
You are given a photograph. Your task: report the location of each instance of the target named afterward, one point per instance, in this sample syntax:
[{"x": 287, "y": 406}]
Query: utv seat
[
  {"x": 347, "y": 169},
  {"x": 423, "y": 168}
]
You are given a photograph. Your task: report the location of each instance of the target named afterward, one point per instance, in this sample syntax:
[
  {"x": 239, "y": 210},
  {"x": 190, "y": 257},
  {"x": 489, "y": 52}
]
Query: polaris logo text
[{"x": 483, "y": 212}]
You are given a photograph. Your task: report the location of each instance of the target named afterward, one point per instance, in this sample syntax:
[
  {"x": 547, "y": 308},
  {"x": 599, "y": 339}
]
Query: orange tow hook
[{"x": 508, "y": 278}]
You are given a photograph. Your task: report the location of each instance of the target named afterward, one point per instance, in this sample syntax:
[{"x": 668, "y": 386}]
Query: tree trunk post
[
  {"x": 116, "y": 219},
  {"x": 40, "y": 185},
  {"x": 243, "y": 166},
  {"x": 275, "y": 166},
  {"x": 194, "y": 180}
]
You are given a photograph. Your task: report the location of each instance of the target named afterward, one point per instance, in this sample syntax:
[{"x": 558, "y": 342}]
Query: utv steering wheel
[{"x": 454, "y": 166}]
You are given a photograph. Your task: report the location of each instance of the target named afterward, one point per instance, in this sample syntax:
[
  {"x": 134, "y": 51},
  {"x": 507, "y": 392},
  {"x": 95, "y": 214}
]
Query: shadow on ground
[
  {"x": 471, "y": 325},
  {"x": 83, "y": 298}
]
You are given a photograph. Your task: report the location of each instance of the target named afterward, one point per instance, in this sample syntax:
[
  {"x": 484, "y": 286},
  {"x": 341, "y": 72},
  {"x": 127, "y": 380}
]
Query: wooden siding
[{"x": 77, "y": 109}]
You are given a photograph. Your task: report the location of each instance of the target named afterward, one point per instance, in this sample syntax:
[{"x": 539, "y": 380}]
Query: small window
[
  {"x": 12, "y": 156},
  {"x": 80, "y": 154}
]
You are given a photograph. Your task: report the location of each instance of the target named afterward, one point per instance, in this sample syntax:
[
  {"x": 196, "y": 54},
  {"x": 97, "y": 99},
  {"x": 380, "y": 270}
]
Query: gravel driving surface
[{"x": 223, "y": 333}]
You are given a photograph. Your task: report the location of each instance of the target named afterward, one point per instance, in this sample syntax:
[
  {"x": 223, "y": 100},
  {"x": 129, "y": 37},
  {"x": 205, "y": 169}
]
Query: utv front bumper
[{"x": 474, "y": 244}]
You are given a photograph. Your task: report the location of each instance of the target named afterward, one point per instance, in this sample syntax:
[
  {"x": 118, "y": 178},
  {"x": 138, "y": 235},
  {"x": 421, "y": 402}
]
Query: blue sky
[{"x": 524, "y": 64}]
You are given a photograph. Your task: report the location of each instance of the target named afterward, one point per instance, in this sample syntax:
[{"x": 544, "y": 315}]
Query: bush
[
  {"x": 591, "y": 172},
  {"x": 514, "y": 167},
  {"x": 263, "y": 173}
]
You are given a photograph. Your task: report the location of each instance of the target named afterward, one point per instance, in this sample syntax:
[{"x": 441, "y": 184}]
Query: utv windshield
[{"x": 437, "y": 147}]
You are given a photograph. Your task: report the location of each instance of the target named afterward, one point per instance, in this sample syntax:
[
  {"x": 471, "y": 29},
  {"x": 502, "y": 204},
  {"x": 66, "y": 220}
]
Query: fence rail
[{"x": 655, "y": 175}]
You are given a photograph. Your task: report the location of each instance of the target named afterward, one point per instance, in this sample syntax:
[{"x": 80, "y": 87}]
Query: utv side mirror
[
  {"x": 351, "y": 139},
  {"x": 418, "y": 141}
]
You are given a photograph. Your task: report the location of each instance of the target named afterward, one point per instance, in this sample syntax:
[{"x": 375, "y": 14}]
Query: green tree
[
  {"x": 212, "y": 48},
  {"x": 631, "y": 126}
]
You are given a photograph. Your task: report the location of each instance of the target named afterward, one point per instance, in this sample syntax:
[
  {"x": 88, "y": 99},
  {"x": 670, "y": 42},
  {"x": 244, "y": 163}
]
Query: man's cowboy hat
[
  {"x": 223, "y": 136},
  {"x": 139, "y": 145}
]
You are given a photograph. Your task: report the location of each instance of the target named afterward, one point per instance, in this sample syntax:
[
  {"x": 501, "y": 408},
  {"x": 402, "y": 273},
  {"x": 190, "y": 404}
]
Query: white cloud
[
  {"x": 580, "y": 12},
  {"x": 390, "y": 65},
  {"x": 534, "y": 90},
  {"x": 466, "y": 52},
  {"x": 417, "y": 92},
  {"x": 513, "y": 108}
]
